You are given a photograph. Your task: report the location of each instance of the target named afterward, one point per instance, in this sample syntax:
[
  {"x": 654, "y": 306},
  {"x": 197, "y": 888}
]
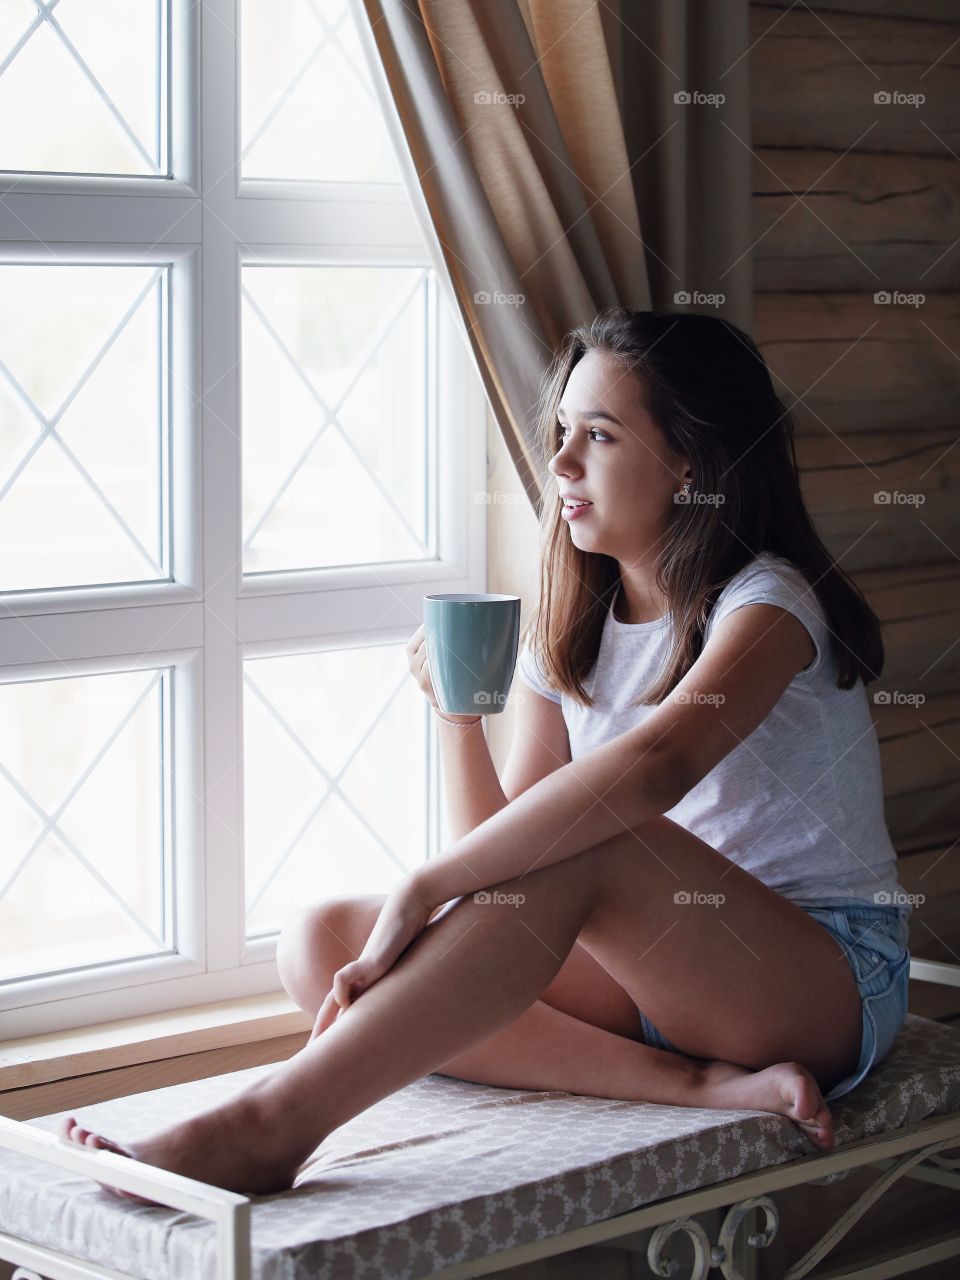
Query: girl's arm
[
  {"x": 471, "y": 787},
  {"x": 470, "y": 782},
  {"x": 751, "y": 657}
]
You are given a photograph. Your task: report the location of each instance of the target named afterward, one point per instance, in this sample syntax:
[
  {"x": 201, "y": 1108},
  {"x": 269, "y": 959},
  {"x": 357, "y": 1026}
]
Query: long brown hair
[{"x": 708, "y": 390}]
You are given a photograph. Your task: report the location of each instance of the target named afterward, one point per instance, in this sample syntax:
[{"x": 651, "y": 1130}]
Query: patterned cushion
[{"x": 445, "y": 1171}]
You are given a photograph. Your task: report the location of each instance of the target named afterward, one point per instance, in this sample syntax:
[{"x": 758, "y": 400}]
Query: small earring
[{"x": 686, "y": 488}]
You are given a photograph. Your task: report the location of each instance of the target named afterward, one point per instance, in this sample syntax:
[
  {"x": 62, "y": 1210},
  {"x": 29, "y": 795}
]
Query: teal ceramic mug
[{"x": 472, "y": 643}]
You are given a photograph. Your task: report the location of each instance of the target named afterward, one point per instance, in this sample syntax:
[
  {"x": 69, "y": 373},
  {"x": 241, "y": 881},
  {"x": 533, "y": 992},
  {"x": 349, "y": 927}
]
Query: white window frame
[{"x": 204, "y": 622}]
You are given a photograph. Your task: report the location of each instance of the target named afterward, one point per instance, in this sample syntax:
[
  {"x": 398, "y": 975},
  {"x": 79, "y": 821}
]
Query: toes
[
  {"x": 75, "y": 1132},
  {"x": 101, "y": 1143}
]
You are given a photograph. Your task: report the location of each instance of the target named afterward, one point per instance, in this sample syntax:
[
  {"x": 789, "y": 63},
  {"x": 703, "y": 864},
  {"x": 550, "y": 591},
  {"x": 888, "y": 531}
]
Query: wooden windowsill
[{"x": 129, "y": 1041}]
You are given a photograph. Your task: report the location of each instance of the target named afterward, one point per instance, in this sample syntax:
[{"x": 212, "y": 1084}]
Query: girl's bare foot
[
  {"x": 787, "y": 1088},
  {"x": 86, "y": 1138},
  {"x": 230, "y": 1147}
]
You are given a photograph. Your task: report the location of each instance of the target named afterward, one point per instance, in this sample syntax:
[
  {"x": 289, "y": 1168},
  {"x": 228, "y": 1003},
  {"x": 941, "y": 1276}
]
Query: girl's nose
[{"x": 563, "y": 461}]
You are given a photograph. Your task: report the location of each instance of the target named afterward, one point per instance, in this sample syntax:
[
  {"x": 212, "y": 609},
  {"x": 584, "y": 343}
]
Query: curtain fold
[{"x": 513, "y": 113}]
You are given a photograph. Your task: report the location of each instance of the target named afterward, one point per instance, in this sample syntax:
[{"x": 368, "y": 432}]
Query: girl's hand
[
  {"x": 419, "y": 667},
  {"x": 420, "y": 670},
  {"x": 402, "y": 919}
]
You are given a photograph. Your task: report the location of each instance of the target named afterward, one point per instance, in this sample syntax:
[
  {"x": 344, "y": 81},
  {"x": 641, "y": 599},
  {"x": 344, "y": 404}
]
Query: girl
[{"x": 691, "y": 895}]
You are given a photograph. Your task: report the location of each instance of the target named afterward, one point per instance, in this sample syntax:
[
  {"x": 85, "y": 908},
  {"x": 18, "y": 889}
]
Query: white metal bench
[{"x": 447, "y": 1179}]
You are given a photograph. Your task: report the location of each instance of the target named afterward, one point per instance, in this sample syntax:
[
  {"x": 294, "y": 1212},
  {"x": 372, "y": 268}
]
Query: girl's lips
[{"x": 574, "y": 513}]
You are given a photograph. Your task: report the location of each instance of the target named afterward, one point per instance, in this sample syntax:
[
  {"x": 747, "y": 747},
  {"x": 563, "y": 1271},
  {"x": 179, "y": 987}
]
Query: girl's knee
[
  {"x": 304, "y": 953},
  {"x": 318, "y": 941}
]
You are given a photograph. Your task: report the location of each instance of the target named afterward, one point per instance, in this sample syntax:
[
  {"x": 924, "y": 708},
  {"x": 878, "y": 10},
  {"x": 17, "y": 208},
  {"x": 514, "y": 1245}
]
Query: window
[{"x": 239, "y": 428}]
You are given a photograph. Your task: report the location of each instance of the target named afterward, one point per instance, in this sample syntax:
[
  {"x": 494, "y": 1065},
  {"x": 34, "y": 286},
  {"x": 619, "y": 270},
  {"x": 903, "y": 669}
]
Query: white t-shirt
[{"x": 799, "y": 803}]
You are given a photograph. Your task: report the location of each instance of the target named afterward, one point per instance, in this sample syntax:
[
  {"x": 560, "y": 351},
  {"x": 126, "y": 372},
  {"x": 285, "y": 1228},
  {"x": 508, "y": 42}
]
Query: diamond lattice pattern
[
  {"x": 308, "y": 109},
  {"x": 335, "y": 778},
  {"x": 81, "y": 430},
  {"x": 335, "y": 460},
  {"x": 83, "y": 871},
  {"x": 81, "y": 86}
]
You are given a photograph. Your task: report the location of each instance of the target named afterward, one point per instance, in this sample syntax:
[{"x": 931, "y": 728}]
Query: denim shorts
[{"x": 874, "y": 941}]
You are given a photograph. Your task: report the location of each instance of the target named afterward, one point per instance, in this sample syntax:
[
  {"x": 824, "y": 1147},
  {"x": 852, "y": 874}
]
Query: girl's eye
[{"x": 594, "y": 431}]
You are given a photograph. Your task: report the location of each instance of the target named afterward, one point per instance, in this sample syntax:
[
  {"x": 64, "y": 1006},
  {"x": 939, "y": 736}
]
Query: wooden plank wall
[{"x": 852, "y": 198}]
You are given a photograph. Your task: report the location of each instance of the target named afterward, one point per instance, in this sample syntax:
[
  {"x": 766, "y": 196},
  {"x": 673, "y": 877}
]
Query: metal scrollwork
[
  {"x": 703, "y": 1254},
  {"x": 722, "y": 1254},
  {"x": 707, "y": 1256},
  {"x": 756, "y": 1240}
]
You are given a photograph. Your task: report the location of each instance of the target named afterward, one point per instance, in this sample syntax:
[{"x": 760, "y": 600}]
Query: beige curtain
[{"x": 538, "y": 195}]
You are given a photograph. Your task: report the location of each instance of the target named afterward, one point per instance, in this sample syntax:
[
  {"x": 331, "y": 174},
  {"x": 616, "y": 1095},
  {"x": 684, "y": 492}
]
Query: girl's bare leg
[{"x": 472, "y": 971}]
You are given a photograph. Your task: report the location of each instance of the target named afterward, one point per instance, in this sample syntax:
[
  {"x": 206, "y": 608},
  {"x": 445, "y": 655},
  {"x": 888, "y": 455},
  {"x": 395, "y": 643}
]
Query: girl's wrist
[
  {"x": 421, "y": 884},
  {"x": 464, "y": 722}
]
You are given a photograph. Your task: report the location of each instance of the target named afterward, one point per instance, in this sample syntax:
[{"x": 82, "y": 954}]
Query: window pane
[
  {"x": 83, "y": 869},
  {"x": 334, "y": 416},
  {"x": 80, "y": 86},
  {"x": 296, "y": 77},
  {"x": 335, "y": 768},
  {"x": 81, "y": 475}
]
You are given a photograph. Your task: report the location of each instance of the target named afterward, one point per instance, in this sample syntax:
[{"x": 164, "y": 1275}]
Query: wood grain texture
[
  {"x": 814, "y": 79},
  {"x": 859, "y": 366},
  {"x": 919, "y": 755},
  {"x": 881, "y": 500},
  {"x": 82, "y": 1091},
  {"x": 925, "y": 10},
  {"x": 169, "y": 1034},
  {"x": 933, "y": 877},
  {"x": 863, "y": 222},
  {"x": 919, "y": 611}
]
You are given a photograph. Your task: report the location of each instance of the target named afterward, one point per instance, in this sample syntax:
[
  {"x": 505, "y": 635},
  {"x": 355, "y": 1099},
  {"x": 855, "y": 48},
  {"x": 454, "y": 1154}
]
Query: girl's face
[{"x": 610, "y": 452}]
